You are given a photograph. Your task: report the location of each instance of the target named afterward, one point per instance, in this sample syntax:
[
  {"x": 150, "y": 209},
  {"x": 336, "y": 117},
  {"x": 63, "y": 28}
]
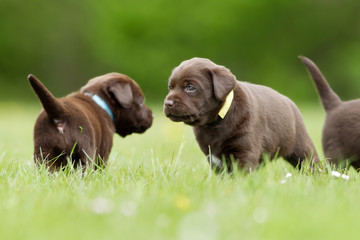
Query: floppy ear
[
  {"x": 122, "y": 93},
  {"x": 223, "y": 82}
]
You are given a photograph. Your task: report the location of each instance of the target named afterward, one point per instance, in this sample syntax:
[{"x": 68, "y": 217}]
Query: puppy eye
[
  {"x": 170, "y": 87},
  {"x": 190, "y": 88}
]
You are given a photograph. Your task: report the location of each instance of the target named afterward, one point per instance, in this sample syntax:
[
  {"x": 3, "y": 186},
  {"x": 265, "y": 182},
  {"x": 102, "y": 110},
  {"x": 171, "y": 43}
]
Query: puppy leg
[
  {"x": 333, "y": 150},
  {"x": 247, "y": 161},
  {"x": 298, "y": 159},
  {"x": 91, "y": 158},
  {"x": 304, "y": 150}
]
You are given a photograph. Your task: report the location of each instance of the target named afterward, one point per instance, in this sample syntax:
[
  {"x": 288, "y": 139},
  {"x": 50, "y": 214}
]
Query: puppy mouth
[
  {"x": 144, "y": 126},
  {"x": 190, "y": 119},
  {"x": 182, "y": 114}
]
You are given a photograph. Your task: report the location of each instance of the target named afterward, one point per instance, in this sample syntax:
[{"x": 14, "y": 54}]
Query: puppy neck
[
  {"x": 225, "y": 108},
  {"x": 101, "y": 103}
]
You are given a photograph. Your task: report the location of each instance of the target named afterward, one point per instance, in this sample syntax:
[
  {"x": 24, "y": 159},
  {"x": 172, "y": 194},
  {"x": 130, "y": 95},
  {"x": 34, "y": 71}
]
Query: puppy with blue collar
[
  {"x": 79, "y": 128},
  {"x": 236, "y": 122}
]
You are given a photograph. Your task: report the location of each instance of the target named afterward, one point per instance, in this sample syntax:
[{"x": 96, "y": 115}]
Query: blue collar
[{"x": 99, "y": 101}]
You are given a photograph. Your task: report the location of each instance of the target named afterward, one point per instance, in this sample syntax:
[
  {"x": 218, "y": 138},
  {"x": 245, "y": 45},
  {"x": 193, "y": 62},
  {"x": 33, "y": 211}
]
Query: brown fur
[
  {"x": 78, "y": 122},
  {"x": 341, "y": 131},
  {"x": 260, "y": 120}
]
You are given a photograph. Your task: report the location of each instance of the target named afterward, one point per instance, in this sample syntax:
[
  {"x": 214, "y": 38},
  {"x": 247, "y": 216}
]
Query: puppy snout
[
  {"x": 147, "y": 117},
  {"x": 169, "y": 103}
]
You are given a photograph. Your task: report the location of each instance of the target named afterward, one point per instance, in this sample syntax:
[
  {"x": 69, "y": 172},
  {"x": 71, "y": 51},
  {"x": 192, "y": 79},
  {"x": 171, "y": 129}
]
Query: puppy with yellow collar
[{"x": 236, "y": 122}]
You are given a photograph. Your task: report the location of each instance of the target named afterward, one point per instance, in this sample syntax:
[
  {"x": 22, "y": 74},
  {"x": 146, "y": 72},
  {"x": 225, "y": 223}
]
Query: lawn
[{"x": 158, "y": 186}]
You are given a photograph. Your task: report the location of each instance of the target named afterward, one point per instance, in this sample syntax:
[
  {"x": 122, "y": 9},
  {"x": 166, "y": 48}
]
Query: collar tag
[
  {"x": 225, "y": 108},
  {"x": 99, "y": 101}
]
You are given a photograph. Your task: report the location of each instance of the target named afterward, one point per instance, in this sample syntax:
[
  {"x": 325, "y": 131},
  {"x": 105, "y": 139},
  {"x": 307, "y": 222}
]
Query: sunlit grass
[{"x": 158, "y": 185}]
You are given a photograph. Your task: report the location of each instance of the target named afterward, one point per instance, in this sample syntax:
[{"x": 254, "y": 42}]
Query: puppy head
[
  {"x": 197, "y": 90},
  {"x": 125, "y": 99}
]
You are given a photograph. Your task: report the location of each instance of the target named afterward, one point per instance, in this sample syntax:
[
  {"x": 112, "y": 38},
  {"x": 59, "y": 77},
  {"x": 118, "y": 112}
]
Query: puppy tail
[
  {"x": 328, "y": 97},
  {"x": 52, "y": 106}
]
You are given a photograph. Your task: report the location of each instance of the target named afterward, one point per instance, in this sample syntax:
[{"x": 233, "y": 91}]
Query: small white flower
[
  {"x": 337, "y": 174},
  {"x": 101, "y": 205},
  {"x": 346, "y": 177},
  {"x": 288, "y": 175}
]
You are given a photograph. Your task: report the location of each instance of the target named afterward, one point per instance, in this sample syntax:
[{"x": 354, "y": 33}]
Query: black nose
[{"x": 169, "y": 103}]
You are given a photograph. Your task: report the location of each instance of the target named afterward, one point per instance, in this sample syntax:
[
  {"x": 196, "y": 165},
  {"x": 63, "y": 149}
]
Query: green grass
[{"x": 158, "y": 186}]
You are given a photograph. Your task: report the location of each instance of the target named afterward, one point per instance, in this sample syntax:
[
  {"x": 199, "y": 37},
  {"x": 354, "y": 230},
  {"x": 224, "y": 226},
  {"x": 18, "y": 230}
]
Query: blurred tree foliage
[{"x": 65, "y": 43}]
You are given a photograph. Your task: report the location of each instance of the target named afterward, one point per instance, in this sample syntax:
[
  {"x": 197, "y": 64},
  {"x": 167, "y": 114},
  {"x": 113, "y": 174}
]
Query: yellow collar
[{"x": 225, "y": 108}]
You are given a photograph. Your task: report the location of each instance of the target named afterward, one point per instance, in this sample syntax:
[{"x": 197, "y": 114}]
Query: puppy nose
[{"x": 169, "y": 103}]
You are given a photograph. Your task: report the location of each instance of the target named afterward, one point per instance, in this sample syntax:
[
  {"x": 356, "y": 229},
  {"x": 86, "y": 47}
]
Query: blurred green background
[{"x": 65, "y": 43}]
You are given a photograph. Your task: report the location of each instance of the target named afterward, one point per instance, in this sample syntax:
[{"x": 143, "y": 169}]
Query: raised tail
[
  {"x": 52, "y": 106},
  {"x": 328, "y": 97}
]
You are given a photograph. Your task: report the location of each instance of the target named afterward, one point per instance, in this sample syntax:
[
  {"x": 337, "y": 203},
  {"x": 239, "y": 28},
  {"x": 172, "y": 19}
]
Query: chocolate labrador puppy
[
  {"x": 341, "y": 132},
  {"x": 236, "y": 122},
  {"x": 80, "y": 127}
]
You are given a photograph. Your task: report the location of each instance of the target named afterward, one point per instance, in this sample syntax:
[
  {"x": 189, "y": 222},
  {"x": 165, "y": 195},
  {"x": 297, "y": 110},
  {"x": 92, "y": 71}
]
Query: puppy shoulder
[{"x": 254, "y": 91}]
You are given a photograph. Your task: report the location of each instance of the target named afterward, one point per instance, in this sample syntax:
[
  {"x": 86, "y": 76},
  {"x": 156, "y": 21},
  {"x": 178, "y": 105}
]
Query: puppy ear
[
  {"x": 122, "y": 93},
  {"x": 51, "y": 105},
  {"x": 223, "y": 82}
]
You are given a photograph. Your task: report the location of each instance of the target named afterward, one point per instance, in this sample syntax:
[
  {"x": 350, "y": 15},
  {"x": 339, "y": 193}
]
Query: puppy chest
[{"x": 210, "y": 143}]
